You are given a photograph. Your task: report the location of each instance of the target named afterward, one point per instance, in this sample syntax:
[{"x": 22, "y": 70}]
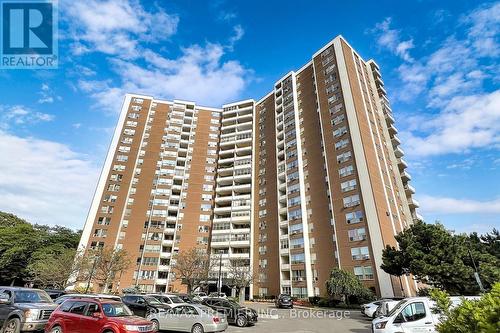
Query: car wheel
[
  {"x": 156, "y": 325},
  {"x": 197, "y": 328},
  {"x": 241, "y": 321},
  {"x": 13, "y": 326},
  {"x": 56, "y": 329}
]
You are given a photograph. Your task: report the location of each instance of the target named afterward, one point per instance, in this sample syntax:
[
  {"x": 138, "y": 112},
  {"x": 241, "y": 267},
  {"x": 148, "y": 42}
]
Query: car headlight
[
  {"x": 31, "y": 314},
  {"x": 380, "y": 325},
  {"x": 132, "y": 328}
]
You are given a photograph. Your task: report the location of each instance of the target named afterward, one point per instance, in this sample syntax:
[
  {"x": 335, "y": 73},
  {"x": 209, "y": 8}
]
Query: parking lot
[{"x": 302, "y": 320}]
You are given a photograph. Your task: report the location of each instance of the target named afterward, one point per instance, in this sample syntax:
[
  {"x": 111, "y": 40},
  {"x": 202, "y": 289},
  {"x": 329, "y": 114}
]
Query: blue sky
[{"x": 439, "y": 61}]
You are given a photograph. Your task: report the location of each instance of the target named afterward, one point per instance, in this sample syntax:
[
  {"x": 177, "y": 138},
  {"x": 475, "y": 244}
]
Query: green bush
[
  {"x": 481, "y": 316},
  {"x": 314, "y": 300}
]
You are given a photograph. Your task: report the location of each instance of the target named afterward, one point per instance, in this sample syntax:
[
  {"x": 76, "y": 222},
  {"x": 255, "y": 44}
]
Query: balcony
[
  {"x": 413, "y": 203},
  {"x": 161, "y": 281},
  {"x": 402, "y": 164},
  {"x": 165, "y": 255},
  {"x": 286, "y": 282},
  {"x": 395, "y": 141},
  {"x": 284, "y": 252},
  {"x": 409, "y": 190},
  {"x": 392, "y": 130},
  {"x": 399, "y": 152},
  {"x": 405, "y": 176},
  {"x": 285, "y": 267},
  {"x": 389, "y": 119},
  {"x": 163, "y": 268}
]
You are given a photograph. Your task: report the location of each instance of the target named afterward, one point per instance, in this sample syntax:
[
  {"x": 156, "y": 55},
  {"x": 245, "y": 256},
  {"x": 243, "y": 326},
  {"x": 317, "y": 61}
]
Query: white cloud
[
  {"x": 443, "y": 205},
  {"x": 21, "y": 115},
  {"x": 199, "y": 74},
  {"x": 466, "y": 122},
  {"x": 50, "y": 184},
  {"x": 391, "y": 39},
  {"x": 115, "y": 27},
  {"x": 47, "y": 95}
]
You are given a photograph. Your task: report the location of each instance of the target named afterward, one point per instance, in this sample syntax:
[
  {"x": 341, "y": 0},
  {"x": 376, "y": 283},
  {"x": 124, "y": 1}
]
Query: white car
[
  {"x": 412, "y": 314},
  {"x": 189, "y": 318},
  {"x": 369, "y": 309},
  {"x": 217, "y": 295}
]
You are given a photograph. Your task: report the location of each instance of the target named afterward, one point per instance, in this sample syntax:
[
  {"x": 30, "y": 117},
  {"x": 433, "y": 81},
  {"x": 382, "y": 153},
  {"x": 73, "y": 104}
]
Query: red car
[{"x": 89, "y": 315}]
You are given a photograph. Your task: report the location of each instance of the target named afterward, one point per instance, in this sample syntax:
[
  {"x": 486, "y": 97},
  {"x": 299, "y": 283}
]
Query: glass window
[
  {"x": 414, "y": 311},
  {"x": 78, "y": 308}
]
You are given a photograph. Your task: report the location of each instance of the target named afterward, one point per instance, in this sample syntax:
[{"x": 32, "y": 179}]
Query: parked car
[
  {"x": 89, "y": 315},
  {"x": 189, "y": 318},
  {"x": 55, "y": 293},
  {"x": 189, "y": 299},
  {"x": 168, "y": 299},
  {"x": 142, "y": 305},
  {"x": 61, "y": 299},
  {"x": 412, "y": 314},
  {"x": 217, "y": 295},
  {"x": 385, "y": 307},
  {"x": 235, "y": 313},
  {"x": 200, "y": 294},
  {"x": 284, "y": 301},
  {"x": 24, "y": 309},
  {"x": 369, "y": 309}
]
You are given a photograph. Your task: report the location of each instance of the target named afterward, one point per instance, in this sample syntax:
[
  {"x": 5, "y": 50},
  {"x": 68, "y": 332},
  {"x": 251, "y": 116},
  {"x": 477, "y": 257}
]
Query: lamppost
[{"x": 219, "y": 280}]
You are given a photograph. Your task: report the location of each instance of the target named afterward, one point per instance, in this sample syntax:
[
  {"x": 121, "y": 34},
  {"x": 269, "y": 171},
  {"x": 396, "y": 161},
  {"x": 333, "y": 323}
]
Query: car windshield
[
  {"x": 233, "y": 303},
  {"x": 152, "y": 300},
  {"x": 176, "y": 299},
  {"x": 116, "y": 310},
  {"x": 396, "y": 308},
  {"x": 31, "y": 296}
]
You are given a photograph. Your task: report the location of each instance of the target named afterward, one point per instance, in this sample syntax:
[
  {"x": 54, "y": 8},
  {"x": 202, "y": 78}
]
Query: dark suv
[
  {"x": 142, "y": 305},
  {"x": 235, "y": 313},
  {"x": 284, "y": 301},
  {"x": 24, "y": 309}
]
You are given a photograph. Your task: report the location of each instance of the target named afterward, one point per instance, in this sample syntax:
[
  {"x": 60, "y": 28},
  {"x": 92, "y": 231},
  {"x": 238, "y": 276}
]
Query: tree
[
  {"x": 53, "y": 268},
  {"x": 240, "y": 276},
  {"x": 192, "y": 267},
  {"x": 436, "y": 257},
  {"x": 481, "y": 316},
  {"x": 106, "y": 264},
  {"x": 343, "y": 284},
  {"x": 21, "y": 243}
]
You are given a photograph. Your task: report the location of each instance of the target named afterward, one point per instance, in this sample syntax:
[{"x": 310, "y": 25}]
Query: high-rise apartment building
[{"x": 308, "y": 178}]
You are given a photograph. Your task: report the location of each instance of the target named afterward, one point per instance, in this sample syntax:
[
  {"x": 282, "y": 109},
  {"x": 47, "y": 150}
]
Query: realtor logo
[{"x": 28, "y": 36}]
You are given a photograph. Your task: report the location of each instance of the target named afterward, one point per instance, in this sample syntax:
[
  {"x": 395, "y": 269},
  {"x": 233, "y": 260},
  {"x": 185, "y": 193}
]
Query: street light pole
[{"x": 219, "y": 281}]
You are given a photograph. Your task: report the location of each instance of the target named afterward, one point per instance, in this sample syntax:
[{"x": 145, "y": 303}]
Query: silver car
[{"x": 189, "y": 318}]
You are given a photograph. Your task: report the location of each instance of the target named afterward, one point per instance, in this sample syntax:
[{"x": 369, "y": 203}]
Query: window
[
  {"x": 363, "y": 272},
  {"x": 341, "y": 144},
  {"x": 294, "y": 201},
  {"x": 207, "y": 187},
  {"x": 360, "y": 253},
  {"x": 338, "y": 119},
  {"x": 344, "y": 157},
  {"x": 348, "y": 185},
  {"x": 204, "y": 218},
  {"x": 354, "y": 217},
  {"x": 357, "y": 234},
  {"x": 340, "y": 131},
  {"x": 295, "y": 214},
  {"x": 206, "y": 197},
  {"x": 346, "y": 171},
  {"x": 414, "y": 311},
  {"x": 118, "y": 167},
  {"x": 296, "y": 243},
  {"x": 128, "y": 131},
  {"x": 297, "y": 258},
  {"x": 122, "y": 158},
  {"x": 78, "y": 308},
  {"x": 295, "y": 228},
  {"x": 206, "y": 207},
  {"x": 352, "y": 200}
]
